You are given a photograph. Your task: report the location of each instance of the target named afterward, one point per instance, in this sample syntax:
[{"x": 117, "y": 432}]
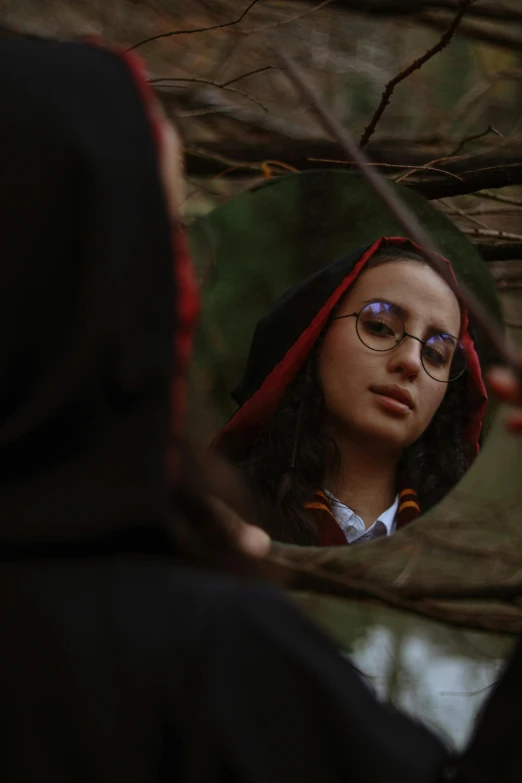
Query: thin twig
[
  {"x": 206, "y": 185},
  {"x": 504, "y": 141},
  {"x": 202, "y": 112},
  {"x": 290, "y": 19},
  {"x": 478, "y": 32},
  {"x": 515, "y": 202},
  {"x": 492, "y": 232},
  {"x": 407, "y": 219},
  {"x": 415, "y": 65},
  {"x": 453, "y": 156},
  {"x": 462, "y": 143},
  {"x": 468, "y": 693},
  {"x": 233, "y": 165},
  {"x": 196, "y": 30},
  {"x": 507, "y": 212},
  {"x": 473, "y": 180},
  {"x": 200, "y": 152},
  {"x": 261, "y": 165},
  {"x": 250, "y": 73},
  {"x": 473, "y": 97},
  {"x": 452, "y": 209},
  {"x": 427, "y": 167},
  {"x": 162, "y": 80},
  {"x": 401, "y": 8}
]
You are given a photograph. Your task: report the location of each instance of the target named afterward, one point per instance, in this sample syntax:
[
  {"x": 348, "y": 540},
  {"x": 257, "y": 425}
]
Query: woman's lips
[{"x": 393, "y": 398}]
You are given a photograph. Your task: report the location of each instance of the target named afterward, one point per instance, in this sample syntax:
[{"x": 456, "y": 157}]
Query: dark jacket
[{"x": 119, "y": 665}]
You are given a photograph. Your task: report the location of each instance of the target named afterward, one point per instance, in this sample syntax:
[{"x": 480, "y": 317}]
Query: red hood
[{"x": 263, "y": 388}]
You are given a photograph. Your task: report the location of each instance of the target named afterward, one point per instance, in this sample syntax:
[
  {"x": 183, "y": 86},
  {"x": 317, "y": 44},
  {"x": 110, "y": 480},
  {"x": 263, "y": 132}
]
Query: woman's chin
[
  {"x": 387, "y": 433},
  {"x": 373, "y": 428}
]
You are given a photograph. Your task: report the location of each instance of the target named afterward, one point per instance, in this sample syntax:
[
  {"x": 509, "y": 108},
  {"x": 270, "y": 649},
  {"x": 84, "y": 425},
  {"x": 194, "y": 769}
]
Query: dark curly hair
[{"x": 290, "y": 459}]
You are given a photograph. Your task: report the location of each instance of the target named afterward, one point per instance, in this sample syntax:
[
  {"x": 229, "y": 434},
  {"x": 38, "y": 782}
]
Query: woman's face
[{"x": 353, "y": 377}]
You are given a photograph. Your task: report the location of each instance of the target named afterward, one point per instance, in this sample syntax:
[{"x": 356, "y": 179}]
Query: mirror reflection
[{"x": 362, "y": 402}]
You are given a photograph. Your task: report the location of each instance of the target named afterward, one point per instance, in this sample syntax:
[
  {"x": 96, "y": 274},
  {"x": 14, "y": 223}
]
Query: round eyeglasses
[{"x": 380, "y": 327}]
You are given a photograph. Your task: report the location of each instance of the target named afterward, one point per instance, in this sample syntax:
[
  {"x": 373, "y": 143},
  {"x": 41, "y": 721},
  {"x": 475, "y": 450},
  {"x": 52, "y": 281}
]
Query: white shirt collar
[{"x": 352, "y": 525}]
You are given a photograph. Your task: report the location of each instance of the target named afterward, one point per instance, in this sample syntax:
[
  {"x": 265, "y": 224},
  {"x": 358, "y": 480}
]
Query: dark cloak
[
  {"x": 116, "y": 662},
  {"x": 86, "y": 316}
]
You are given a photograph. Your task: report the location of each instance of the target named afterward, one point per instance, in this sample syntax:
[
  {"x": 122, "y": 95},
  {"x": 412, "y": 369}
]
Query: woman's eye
[
  {"x": 435, "y": 356},
  {"x": 378, "y": 328}
]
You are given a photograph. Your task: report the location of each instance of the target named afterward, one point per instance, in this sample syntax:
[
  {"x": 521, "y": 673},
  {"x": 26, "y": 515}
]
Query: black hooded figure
[{"x": 118, "y": 662}]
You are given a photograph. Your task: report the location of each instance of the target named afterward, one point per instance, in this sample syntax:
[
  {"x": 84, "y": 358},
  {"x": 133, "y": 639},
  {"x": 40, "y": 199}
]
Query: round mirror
[
  {"x": 432, "y": 589},
  {"x": 250, "y": 250},
  {"x": 258, "y": 244}
]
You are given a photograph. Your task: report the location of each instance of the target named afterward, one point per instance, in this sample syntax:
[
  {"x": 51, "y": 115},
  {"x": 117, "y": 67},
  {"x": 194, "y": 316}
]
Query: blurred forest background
[{"x": 452, "y": 129}]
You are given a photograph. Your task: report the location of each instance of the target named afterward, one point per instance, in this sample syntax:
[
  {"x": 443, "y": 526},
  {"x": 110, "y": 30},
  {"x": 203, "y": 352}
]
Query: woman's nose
[{"x": 406, "y": 358}]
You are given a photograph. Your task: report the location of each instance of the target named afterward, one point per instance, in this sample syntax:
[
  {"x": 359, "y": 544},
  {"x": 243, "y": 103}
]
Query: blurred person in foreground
[{"x": 124, "y": 655}]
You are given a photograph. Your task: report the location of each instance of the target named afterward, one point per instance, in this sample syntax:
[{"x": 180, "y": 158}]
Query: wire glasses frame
[{"x": 380, "y": 327}]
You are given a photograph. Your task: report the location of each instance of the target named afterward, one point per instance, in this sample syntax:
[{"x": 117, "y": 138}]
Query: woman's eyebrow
[
  {"x": 400, "y": 309},
  {"x": 433, "y": 328}
]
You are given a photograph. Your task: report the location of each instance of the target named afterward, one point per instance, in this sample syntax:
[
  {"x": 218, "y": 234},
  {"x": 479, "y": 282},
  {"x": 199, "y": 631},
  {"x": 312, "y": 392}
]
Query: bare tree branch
[
  {"x": 392, "y": 8},
  {"x": 290, "y": 19},
  {"x": 406, "y": 218},
  {"x": 474, "y": 96},
  {"x": 493, "y": 37},
  {"x": 460, "y": 146},
  {"x": 481, "y": 211},
  {"x": 499, "y": 251},
  {"x": 196, "y": 30},
  {"x": 260, "y": 165},
  {"x": 454, "y": 210},
  {"x": 165, "y": 80},
  {"x": 310, "y": 577},
  {"x": 381, "y": 164},
  {"x": 492, "y": 232},
  {"x": 414, "y": 66},
  {"x": 453, "y": 156},
  {"x": 471, "y": 181},
  {"x": 516, "y": 202},
  {"x": 469, "y": 693},
  {"x": 250, "y": 73},
  {"x": 425, "y": 12},
  {"x": 500, "y": 169}
]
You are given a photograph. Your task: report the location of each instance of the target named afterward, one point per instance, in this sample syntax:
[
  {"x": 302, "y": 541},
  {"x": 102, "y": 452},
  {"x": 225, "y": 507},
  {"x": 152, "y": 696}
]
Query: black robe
[{"x": 117, "y": 662}]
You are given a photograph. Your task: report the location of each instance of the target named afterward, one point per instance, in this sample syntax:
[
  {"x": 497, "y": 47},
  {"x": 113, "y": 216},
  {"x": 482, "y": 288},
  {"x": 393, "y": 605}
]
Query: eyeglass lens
[{"x": 381, "y": 328}]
